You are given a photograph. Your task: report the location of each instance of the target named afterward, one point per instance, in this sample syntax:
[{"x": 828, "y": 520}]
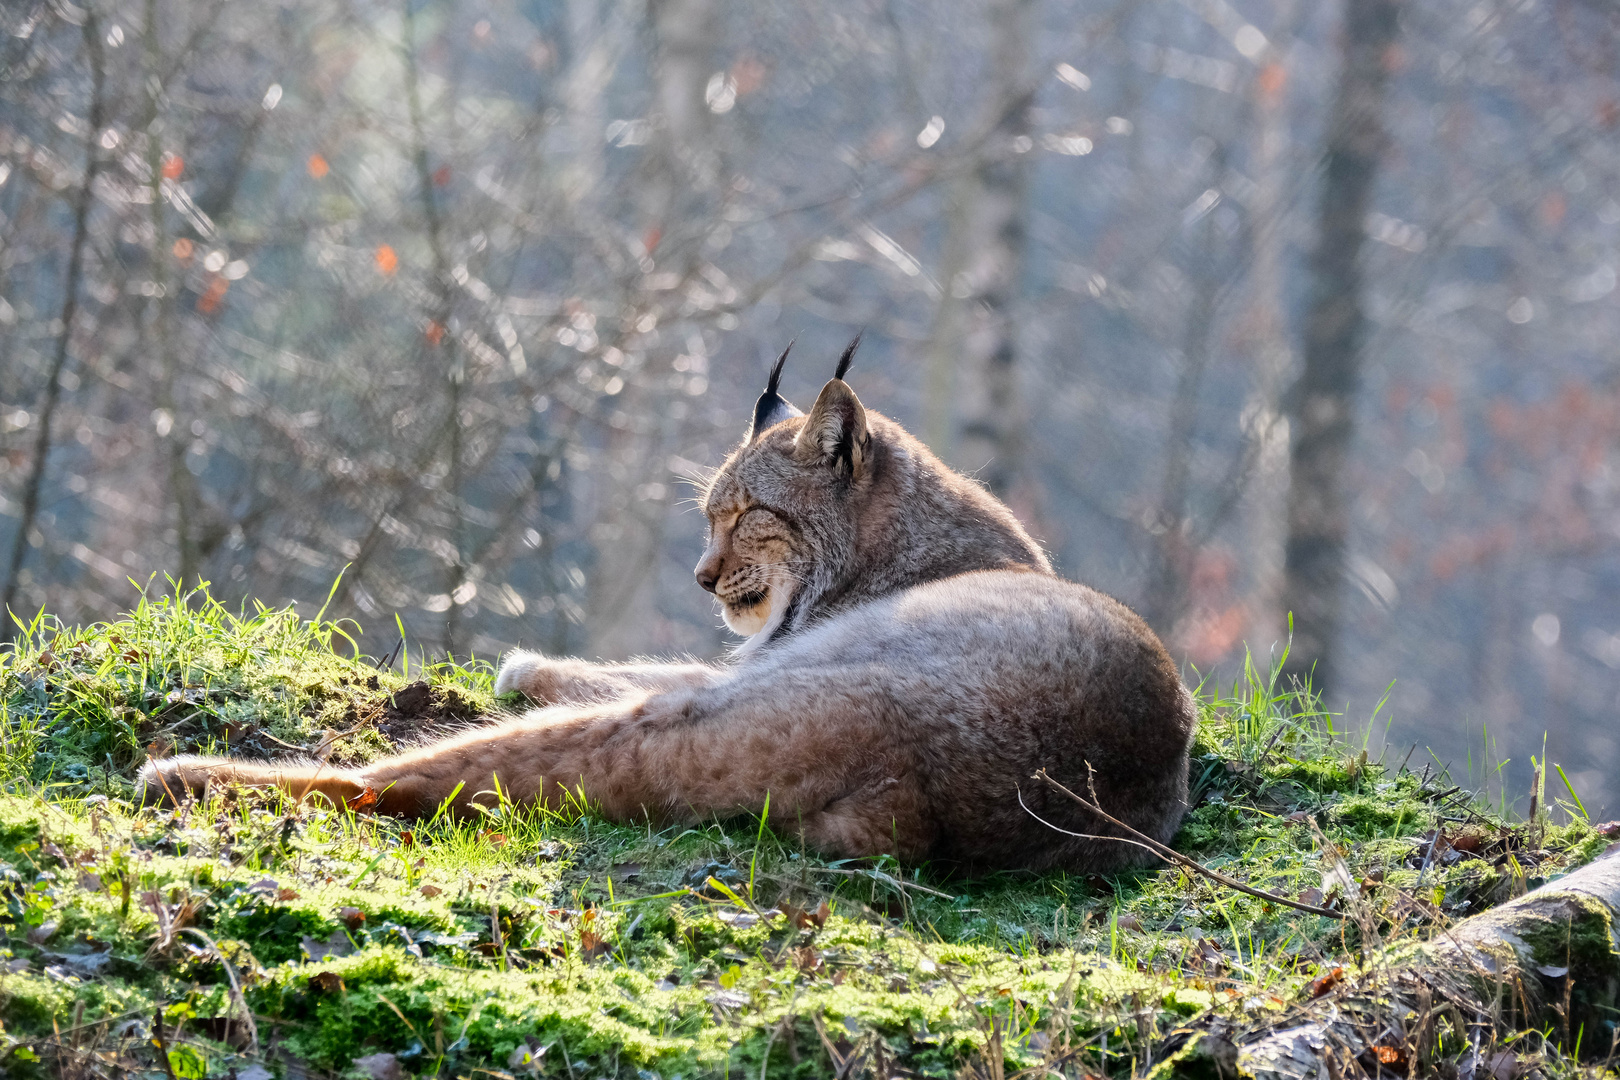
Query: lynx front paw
[{"x": 528, "y": 673}]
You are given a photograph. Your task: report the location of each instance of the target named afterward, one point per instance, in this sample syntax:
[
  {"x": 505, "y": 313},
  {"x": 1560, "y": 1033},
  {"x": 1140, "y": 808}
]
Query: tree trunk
[
  {"x": 1264, "y": 528},
  {"x": 174, "y": 431},
  {"x": 70, "y": 308},
  {"x": 974, "y": 332},
  {"x": 1323, "y": 404},
  {"x": 679, "y": 179},
  {"x": 1549, "y": 960}
]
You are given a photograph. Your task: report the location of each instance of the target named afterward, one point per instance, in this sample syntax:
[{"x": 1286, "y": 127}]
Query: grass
[{"x": 252, "y": 937}]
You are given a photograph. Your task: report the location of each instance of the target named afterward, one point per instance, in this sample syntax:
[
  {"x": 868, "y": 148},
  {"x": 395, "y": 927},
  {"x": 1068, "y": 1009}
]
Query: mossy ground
[{"x": 252, "y": 933}]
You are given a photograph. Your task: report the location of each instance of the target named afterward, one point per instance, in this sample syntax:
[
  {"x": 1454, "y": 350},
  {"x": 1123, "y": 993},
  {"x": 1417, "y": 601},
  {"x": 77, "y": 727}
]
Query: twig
[
  {"x": 162, "y": 1043},
  {"x": 1170, "y": 854}
]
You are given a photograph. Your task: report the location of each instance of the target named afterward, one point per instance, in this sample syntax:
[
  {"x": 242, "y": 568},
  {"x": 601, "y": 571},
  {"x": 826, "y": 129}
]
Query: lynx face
[{"x": 749, "y": 564}]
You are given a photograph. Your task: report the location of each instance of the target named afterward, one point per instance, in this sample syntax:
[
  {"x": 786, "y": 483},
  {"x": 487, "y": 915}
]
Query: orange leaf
[
  {"x": 317, "y": 166},
  {"x": 209, "y": 301},
  {"x": 364, "y": 801},
  {"x": 1326, "y": 982},
  {"x": 173, "y": 166},
  {"x": 1393, "y": 1056},
  {"x": 387, "y": 261},
  {"x": 430, "y": 891},
  {"x": 434, "y": 332},
  {"x": 1273, "y": 77}
]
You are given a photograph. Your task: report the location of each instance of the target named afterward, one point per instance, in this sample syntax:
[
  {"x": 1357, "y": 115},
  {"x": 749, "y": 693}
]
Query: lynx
[{"x": 910, "y": 660}]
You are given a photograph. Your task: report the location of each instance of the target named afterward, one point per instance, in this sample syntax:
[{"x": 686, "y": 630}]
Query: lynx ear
[
  {"x": 772, "y": 408},
  {"x": 835, "y": 432}
]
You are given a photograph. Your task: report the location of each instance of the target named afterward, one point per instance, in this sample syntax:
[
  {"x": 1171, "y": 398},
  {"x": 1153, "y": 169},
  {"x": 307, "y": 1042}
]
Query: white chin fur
[
  {"x": 746, "y": 622},
  {"x": 759, "y": 622}
]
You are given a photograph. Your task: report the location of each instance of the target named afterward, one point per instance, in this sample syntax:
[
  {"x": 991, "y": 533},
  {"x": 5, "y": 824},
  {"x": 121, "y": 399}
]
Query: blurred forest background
[{"x": 465, "y": 296}]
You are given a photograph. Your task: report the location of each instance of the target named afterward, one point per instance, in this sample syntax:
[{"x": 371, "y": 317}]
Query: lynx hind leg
[
  {"x": 887, "y": 818},
  {"x": 170, "y": 781}
]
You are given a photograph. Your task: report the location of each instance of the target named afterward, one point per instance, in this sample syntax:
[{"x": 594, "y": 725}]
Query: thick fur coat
[{"x": 911, "y": 661}]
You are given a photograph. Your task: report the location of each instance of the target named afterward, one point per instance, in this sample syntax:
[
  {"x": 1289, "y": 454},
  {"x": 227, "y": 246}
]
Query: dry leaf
[
  {"x": 326, "y": 981},
  {"x": 430, "y": 891},
  {"x": 1325, "y": 982},
  {"x": 592, "y": 944},
  {"x": 1392, "y": 1056}
]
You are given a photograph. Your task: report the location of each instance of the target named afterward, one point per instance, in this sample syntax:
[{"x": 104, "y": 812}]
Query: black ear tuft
[
  {"x": 776, "y": 372},
  {"x": 772, "y": 408},
  {"x": 849, "y": 355}
]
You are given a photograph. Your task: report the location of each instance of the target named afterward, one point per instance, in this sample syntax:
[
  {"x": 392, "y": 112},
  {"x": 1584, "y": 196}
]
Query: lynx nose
[{"x": 708, "y": 573}]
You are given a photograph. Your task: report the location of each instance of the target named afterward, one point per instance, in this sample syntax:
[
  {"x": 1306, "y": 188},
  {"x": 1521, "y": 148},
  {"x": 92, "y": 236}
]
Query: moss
[
  {"x": 603, "y": 956},
  {"x": 1204, "y": 1057},
  {"x": 1366, "y": 817}
]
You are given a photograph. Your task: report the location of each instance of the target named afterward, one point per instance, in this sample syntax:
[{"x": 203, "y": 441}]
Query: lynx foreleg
[{"x": 553, "y": 681}]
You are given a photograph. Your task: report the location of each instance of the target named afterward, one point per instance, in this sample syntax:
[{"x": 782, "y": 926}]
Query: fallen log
[{"x": 1548, "y": 961}]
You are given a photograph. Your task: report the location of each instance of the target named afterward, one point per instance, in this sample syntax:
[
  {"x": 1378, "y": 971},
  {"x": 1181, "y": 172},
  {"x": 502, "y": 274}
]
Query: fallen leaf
[
  {"x": 381, "y": 1066},
  {"x": 728, "y": 999},
  {"x": 352, "y": 917},
  {"x": 1609, "y": 830},
  {"x": 1392, "y": 1056},
  {"x": 495, "y": 839},
  {"x": 806, "y": 920},
  {"x": 1325, "y": 982},
  {"x": 592, "y": 944},
  {"x": 1128, "y": 921},
  {"x": 317, "y": 166},
  {"x": 326, "y": 981},
  {"x": 387, "y": 260},
  {"x": 286, "y": 894},
  {"x": 363, "y": 801},
  {"x": 336, "y": 945},
  {"x": 1502, "y": 1066},
  {"x": 430, "y": 891},
  {"x": 1312, "y": 897}
]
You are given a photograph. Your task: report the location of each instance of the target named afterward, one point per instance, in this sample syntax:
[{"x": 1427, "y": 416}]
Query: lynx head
[{"x": 816, "y": 511}]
